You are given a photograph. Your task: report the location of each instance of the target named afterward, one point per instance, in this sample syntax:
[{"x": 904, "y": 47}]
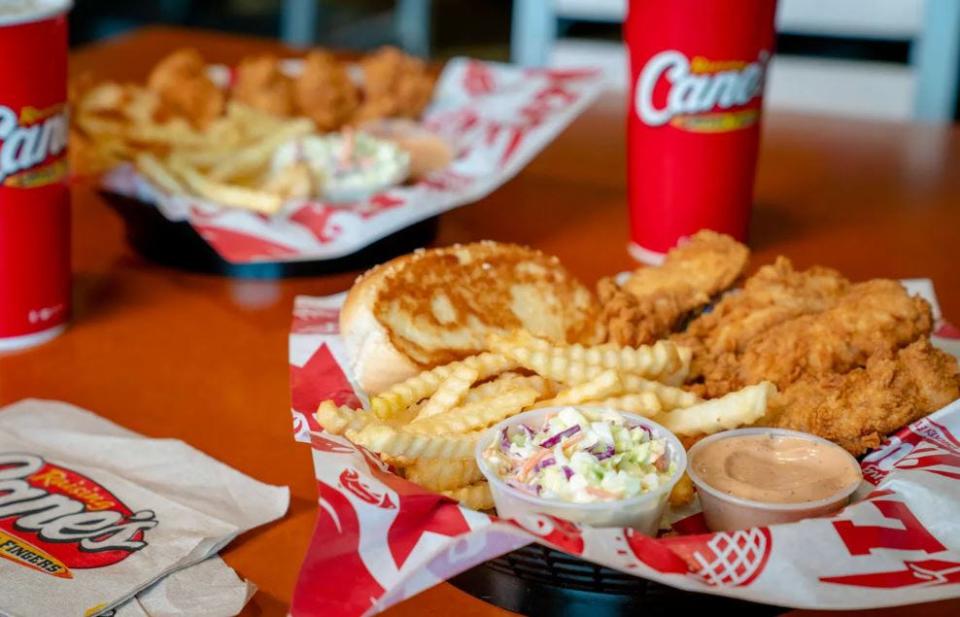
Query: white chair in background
[{"x": 924, "y": 89}]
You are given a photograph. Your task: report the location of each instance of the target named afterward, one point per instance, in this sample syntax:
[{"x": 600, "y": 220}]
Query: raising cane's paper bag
[
  {"x": 209, "y": 589},
  {"x": 496, "y": 116},
  {"x": 380, "y": 539},
  {"x": 92, "y": 514}
]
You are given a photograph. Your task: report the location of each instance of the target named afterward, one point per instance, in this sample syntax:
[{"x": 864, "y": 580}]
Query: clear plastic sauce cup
[
  {"x": 642, "y": 512},
  {"x": 725, "y": 512}
]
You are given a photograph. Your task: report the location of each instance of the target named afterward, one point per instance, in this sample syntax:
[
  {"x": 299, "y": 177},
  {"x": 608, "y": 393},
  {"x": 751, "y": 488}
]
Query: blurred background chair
[
  {"x": 893, "y": 59},
  {"x": 301, "y": 20},
  {"x": 411, "y": 24}
]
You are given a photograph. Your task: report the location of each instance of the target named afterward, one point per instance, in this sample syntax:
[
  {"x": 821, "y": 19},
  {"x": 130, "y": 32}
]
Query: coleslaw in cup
[{"x": 591, "y": 465}]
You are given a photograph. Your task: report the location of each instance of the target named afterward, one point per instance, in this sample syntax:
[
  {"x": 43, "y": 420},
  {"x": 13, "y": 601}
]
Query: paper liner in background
[
  {"x": 179, "y": 505},
  {"x": 497, "y": 116},
  {"x": 380, "y": 539}
]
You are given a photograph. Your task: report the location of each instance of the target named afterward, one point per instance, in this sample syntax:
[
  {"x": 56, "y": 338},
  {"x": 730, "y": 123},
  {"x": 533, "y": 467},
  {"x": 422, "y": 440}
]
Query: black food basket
[
  {"x": 178, "y": 245},
  {"x": 536, "y": 580}
]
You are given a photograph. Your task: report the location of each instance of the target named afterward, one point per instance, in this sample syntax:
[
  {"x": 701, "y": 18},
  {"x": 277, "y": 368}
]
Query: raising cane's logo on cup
[
  {"x": 33, "y": 143},
  {"x": 697, "y": 75},
  {"x": 35, "y": 280},
  {"x": 699, "y": 94},
  {"x": 53, "y": 519}
]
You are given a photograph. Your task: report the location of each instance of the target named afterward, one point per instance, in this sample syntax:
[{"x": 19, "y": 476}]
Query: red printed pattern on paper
[
  {"x": 907, "y": 534},
  {"x": 558, "y": 532},
  {"x": 240, "y": 247},
  {"x": 350, "y": 481},
  {"x": 333, "y": 578},
  {"x": 318, "y": 380},
  {"x": 312, "y": 319},
  {"x": 925, "y": 445},
  {"x": 727, "y": 559}
]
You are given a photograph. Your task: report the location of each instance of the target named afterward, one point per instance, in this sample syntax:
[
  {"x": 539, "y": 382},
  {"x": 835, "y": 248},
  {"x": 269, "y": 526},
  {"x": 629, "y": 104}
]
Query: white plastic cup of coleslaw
[{"x": 641, "y": 512}]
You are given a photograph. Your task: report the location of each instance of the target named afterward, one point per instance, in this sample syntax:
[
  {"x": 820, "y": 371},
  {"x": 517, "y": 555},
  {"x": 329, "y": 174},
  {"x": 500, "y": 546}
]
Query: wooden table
[{"x": 204, "y": 359}]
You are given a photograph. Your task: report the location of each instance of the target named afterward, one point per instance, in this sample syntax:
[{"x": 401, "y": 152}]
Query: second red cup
[{"x": 697, "y": 72}]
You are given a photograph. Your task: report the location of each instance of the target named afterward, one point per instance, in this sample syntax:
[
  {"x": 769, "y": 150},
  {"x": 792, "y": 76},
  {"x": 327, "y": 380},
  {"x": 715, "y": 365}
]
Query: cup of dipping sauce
[{"x": 755, "y": 477}]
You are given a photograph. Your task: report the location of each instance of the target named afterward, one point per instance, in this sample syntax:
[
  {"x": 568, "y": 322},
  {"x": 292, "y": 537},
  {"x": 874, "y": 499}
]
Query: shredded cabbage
[{"x": 582, "y": 457}]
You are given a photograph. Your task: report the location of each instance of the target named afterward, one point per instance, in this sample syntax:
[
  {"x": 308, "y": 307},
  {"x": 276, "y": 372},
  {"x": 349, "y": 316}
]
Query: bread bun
[{"x": 435, "y": 306}]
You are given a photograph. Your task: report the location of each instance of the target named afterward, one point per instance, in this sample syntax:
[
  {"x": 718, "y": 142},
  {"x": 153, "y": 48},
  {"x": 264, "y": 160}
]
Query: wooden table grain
[{"x": 204, "y": 359}]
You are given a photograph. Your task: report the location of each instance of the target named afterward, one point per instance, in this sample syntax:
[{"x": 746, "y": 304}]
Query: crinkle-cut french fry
[
  {"x": 670, "y": 397},
  {"x": 175, "y": 133},
  {"x": 476, "y": 496},
  {"x": 477, "y": 415},
  {"x": 228, "y": 194},
  {"x": 679, "y": 376},
  {"x": 682, "y": 492},
  {"x": 507, "y": 382},
  {"x": 445, "y": 475},
  {"x": 254, "y": 157},
  {"x": 604, "y": 385},
  {"x": 392, "y": 402},
  {"x": 449, "y": 393},
  {"x": 399, "y": 442},
  {"x": 405, "y": 416},
  {"x": 543, "y": 362},
  {"x": 338, "y": 420},
  {"x": 402, "y": 462},
  {"x": 735, "y": 409},
  {"x": 400, "y": 396},
  {"x": 158, "y": 173},
  {"x": 662, "y": 359},
  {"x": 645, "y": 404}
]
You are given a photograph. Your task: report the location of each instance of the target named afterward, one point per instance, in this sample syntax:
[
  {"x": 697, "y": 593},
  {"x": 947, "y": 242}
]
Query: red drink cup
[
  {"x": 34, "y": 200},
  {"x": 697, "y": 71}
]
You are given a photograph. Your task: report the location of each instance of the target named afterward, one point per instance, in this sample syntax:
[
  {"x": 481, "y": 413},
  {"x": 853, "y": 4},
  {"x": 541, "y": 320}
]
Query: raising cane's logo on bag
[
  {"x": 699, "y": 94},
  {"x": 53, "y": 519},
  {"x": 32, "y": 146}
]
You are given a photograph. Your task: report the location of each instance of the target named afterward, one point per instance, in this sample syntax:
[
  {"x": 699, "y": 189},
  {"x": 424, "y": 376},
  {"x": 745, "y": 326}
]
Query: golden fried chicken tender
[
  {"x": 181, "y": 82},
  {"x": 324, "y": 92},
  {"x": 873, "y": 316},
  {"x": 655, "y": 300},
  {"x": 394, "y": 85},
  {"x": 262, "y": 85},
  {"x": 858, "y": 409},
  {"x": 775, "y": 294}
]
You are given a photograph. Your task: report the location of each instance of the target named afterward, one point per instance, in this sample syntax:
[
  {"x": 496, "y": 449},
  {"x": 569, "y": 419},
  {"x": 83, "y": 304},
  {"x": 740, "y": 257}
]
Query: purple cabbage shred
[
  {"x": 554, "y": 440},
  {"x": 606, "y": 453},
  {"x": 523, "y": 488},
  {"x": 546, "y": 462},
  {"x": 567, "y": 472}
]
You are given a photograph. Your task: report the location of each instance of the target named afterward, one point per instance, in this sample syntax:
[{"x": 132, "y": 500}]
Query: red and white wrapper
[
  {"x": 497, "y": 117},
  {"x": 380, "y": 539},
  {"x": 94, "y": 517}
]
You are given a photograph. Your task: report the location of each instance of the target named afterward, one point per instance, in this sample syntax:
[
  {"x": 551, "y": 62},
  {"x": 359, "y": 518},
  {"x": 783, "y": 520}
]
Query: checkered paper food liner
[
  {"x": 380, "y": 539},
  {"x": 497, "y": 117}
]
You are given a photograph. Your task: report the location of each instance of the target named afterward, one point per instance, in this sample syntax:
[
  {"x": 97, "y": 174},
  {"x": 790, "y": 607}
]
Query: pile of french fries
[
  {"x": 428, "y": 425},
  {"x": 226, "y": 162}
]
